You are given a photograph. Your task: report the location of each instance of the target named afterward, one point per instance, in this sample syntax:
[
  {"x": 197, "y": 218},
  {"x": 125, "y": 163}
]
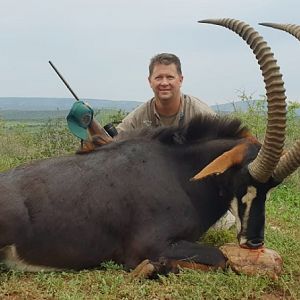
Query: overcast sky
[{"x": 103, "y": 47}]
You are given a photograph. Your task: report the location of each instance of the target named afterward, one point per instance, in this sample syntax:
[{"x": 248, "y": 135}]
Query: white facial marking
[
  {"x": 13, "y": 261},
  {"x": 235, "y": 212},
  {"x": 247, "y": 199}
]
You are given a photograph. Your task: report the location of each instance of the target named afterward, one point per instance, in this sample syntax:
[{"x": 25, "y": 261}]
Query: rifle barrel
[{"x": 64, "y": 81}]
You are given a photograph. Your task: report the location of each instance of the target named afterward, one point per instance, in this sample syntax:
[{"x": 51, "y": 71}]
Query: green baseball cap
[{"x": 79, "y": 119}]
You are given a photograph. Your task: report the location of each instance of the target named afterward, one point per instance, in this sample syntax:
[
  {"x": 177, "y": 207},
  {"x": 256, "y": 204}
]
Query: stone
[{"x": 262, "y": 261}]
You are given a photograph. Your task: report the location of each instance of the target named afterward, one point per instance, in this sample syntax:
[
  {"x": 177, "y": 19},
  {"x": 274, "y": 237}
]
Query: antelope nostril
[{"x": 255, "y": 243}]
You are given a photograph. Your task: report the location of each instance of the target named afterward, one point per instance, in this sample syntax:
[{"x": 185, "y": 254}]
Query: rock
[{"x": 261, "y": 261}]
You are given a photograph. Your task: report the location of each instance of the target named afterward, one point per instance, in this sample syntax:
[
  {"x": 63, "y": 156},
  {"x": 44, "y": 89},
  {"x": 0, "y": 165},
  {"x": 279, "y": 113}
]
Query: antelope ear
[{"x": 223, "y": 162}]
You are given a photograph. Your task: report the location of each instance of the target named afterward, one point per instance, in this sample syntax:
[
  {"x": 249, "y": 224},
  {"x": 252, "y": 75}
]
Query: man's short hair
[{"x": 165, "y": 59}]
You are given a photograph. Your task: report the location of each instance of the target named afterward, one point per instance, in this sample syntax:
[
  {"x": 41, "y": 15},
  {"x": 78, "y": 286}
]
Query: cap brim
[{"x": 77, "y": 130}]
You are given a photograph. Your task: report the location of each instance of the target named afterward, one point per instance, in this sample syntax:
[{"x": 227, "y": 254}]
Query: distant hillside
[
  {"x": 240, "y": 106},
  {"x": 54, "y": 104},
  {"x": 235, "y": 106},
  {"x": 32, "y": 115},
  {"x": 22, "y": 108}
]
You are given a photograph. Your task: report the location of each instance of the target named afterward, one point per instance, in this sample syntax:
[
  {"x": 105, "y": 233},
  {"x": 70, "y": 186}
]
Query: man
[{"x": 168, "y": 106}]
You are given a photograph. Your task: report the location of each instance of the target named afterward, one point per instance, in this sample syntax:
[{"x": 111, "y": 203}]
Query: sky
[{"x": 103, "y": 47}]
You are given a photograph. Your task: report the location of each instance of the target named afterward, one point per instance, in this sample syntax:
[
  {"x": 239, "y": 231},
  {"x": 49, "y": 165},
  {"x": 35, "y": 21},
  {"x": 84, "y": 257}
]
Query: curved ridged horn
[
  {"x": 288, "y": 163},
  {"x": 293, "y": 29},
  {"x": 262, "y": 167}
]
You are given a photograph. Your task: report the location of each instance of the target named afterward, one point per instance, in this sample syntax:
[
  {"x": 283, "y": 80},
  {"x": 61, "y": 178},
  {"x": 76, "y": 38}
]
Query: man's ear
[
  {"x": 181, "y": 80},
  {"x": 149, "y": 80}
]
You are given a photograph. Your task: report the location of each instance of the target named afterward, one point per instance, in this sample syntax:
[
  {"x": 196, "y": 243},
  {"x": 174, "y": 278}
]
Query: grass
[{"x": 19, "y": 145}]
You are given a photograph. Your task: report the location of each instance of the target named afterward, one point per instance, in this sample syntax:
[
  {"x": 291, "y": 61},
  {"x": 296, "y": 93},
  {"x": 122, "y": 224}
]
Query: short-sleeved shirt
[{"x": 146, "y": 115}]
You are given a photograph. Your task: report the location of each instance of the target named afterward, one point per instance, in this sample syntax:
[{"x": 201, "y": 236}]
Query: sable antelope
[{"x": 133, "y": 199}]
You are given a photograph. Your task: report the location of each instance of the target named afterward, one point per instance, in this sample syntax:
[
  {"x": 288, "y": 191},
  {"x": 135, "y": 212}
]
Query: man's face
[{"x": 165, "y": 82}]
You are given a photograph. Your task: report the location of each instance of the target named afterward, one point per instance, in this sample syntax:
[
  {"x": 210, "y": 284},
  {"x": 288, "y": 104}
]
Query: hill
[
  {"x": 234, "y": 106},
  {"x": 25, "y": 108},
  {"x": 242, "y": 106},
  {"x": 54, "y": 104},
  {"x": 40, "y": 108}
]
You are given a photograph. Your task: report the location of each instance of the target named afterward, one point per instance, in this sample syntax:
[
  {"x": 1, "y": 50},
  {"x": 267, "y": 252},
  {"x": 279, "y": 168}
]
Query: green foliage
[
  {"x": 110, "y": 265},
  {"x": 256, "y": 117},
  {"x": 23, "y": 142},
  {"x": 118, "y": 117},
  {"x": 293, "y": 122},
  {"x": 53, "y": 139},
  {"x": 110, "y": 116}
]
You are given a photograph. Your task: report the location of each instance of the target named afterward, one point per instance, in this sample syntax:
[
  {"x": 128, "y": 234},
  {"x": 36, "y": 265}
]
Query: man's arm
[
  {"x": 126, "y": 125},
  {"x": 134, "y": 120}
]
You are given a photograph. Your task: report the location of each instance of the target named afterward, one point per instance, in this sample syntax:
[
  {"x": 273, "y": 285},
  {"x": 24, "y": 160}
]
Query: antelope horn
[
  {"x": 288, "y": 163},
  {"x": 293, "y": 29},
  {"x": 262, "y": 167}
]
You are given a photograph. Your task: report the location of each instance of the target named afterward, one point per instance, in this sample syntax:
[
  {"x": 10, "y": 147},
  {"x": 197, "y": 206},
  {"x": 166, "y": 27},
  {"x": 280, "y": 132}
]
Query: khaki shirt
[{"x": 145, "y": 115}]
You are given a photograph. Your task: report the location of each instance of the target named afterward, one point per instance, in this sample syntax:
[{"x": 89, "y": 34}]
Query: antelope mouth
[{"x": 253, "y": 244}]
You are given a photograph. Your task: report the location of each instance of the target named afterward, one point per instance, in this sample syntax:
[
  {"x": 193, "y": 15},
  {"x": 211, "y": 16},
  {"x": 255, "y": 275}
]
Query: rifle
[{"x": 97, "y": 132}]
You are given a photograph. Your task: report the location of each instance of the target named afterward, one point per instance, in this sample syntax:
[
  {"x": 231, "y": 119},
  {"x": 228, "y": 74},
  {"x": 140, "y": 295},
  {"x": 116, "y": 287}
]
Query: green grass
[{"x": 20, "y": 144}]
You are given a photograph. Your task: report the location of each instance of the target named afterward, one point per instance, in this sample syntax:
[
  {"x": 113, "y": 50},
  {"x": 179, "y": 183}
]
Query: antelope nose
[{"x": 255, "y": 243}]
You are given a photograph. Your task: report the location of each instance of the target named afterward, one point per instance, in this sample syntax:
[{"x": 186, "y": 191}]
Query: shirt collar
[{"x": 180, "y": 112}]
